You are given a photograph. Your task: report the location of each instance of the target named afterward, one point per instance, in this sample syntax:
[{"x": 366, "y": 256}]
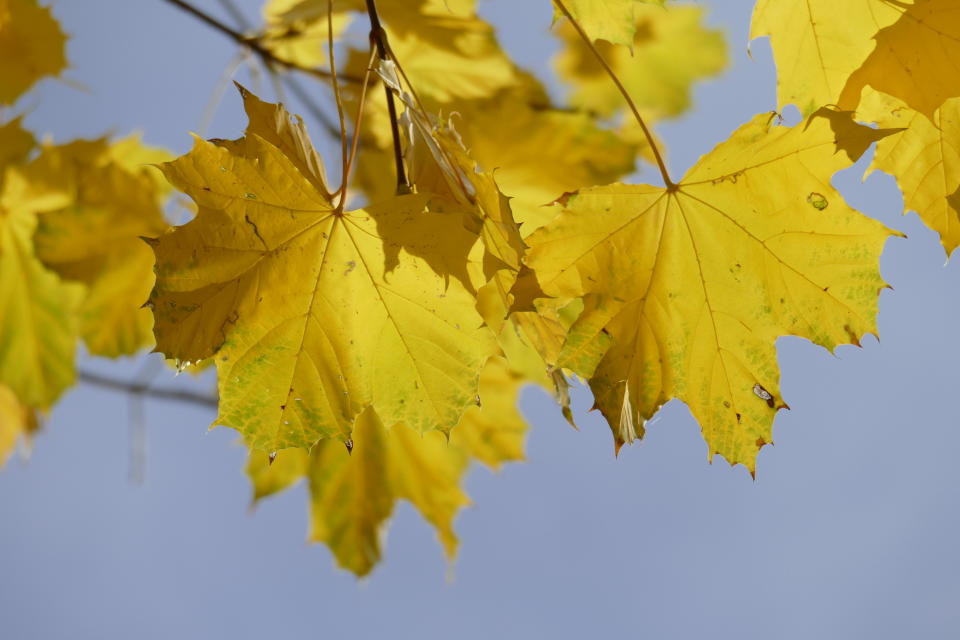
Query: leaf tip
[{"x": 617, "y": 445}]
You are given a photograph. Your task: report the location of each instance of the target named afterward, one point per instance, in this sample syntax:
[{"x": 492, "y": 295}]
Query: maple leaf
[
  {"x": 16, "y": 422},
  {"x": 671, "y": 50},
  {"x": 924, "y": 159},
  {"x": 538, "y": 152},
  {"x": 440, "y": 163},
  {"x": 449, "y": 57},
  {"x": 38, "y": 311},
  {"x": 112, "y": 200},
  {"x": 612, "y": 20},
  {"x": 320, "y": 313},
  {"x": 297, "y": 31},
  {"x": 445, "y": 49},
  {"x": 353, "y": 492},
  {"x": 687, "y": 288},
  {"x": 287, "y": 133},
  {"x": 31, "y": 36},
  {"x": 818, "y": 44},
  {"x": 15, "y": 143},
  {"x": 915, "y": 58}
]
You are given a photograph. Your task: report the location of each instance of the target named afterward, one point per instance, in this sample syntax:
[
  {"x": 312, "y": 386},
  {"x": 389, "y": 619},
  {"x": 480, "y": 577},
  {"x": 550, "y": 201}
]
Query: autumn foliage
[{"x": 371, "y": 334}]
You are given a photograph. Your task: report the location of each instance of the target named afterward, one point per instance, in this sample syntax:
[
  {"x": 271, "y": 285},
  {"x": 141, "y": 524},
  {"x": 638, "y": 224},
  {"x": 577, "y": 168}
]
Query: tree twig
[
  {"x": 289, "y": 80},
  {"x": 253, "y": 43},
  {"x": 176, "y": 395},
  {"x": 378, "y": 38}
]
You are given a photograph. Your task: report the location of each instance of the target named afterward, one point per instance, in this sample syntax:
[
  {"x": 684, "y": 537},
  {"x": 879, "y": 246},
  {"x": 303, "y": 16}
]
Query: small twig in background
[{"x": 175, "y": 395}]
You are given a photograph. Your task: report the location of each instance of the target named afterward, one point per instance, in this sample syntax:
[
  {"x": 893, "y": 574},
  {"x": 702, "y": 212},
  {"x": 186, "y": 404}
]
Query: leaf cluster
[{"x": 370, "y": 337}]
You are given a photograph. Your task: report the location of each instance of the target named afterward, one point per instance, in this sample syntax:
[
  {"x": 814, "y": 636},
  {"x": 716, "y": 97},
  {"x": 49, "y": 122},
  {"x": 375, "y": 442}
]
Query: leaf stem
[
  {"x": 141, "y": 389},
  {"x": 253, "y": 43},
  {"x": 378, "y": 38},
  {"x": 338, "y": 96},
  {"x": 670, "y": 184},
  {"x": 358, "y": 119}
]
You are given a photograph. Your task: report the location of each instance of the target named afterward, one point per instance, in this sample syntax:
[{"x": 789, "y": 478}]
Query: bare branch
[
  {"x": 253, "y": 43},
  {"x": 176, "y": 395},
  {"x": 379, "y": 38}
]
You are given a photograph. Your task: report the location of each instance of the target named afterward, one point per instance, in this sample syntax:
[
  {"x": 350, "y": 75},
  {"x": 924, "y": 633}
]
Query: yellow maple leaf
[
  {"x": 16, "y": 422},
  {"x": 439, "y": 164},
  {"x": 445, "y": 49},
  {"x": 818, "y": 44},
  {"x": 538, "y": 152},
  {"x": 287, "y": 133},
  {"x": 535, "y": 150},
  {"x": 449, "y": 57},
  {"x": 671, "y": 50},
  {"x": 28, "y": 359},
  {"x": 924, "y": 159},
  {"x": 298, "y": 32},
  {"x": 31, "y": 46},
  {"x": 112, "y": 200},
  {"x": 493, "y": 431},
  {"x": 38, "y": 311},
  {"x": 314, "y": 314},
  {"x": 317, "y": 9},
  {"x": 915, "y": 58},
  {"x": 15, "y": 143},
  {"x": 612, "y": 20},
  {"x": 687, "y": 288},
  {"x": 353, "y": 491}
]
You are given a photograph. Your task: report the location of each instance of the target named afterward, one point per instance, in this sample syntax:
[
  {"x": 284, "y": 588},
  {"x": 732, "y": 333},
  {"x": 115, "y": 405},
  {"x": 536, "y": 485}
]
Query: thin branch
[
  {"x": 378, "y": 37},
  {"x": 177, "y": 395},
  {"x": 623, "y": 91},
  {"x": 253, "y": 43},
  {"x": 289, "y": 80}
]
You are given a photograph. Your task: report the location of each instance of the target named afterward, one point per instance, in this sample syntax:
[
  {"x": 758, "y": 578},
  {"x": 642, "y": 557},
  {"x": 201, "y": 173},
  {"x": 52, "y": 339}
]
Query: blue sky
[{"x": 849, "y": 530}]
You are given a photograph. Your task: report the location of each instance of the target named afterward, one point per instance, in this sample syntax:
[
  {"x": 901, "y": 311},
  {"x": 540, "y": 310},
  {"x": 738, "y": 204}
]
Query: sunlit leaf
[
  {"x": 322, "y": 313},
  {"x": 686, "y": 289},
  {"x": 916, "y": 59},
  {"x": 925, "y": 159},
  {"x": 353, "y": 490},
  {"x": 818, "y": 44}
]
